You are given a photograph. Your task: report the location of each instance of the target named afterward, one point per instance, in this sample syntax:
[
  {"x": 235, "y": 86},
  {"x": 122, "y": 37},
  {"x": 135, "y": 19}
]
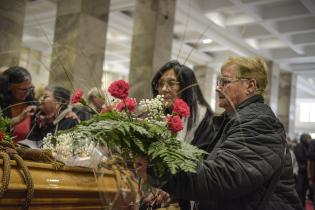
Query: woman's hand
[
  {"x": 73, "y": 116},
  {"x": 160, "y": 197},
  {"x": 28, "y": 111},
  {"x": 141, "y": 168}
]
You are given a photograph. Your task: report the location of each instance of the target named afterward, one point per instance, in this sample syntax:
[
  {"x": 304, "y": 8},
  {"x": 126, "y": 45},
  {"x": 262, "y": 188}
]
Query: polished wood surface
[{"x": 69, "y": 188}]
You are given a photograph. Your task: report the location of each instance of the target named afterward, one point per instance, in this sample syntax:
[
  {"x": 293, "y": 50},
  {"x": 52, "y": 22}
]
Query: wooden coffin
[{"x": 69, "y": 188}]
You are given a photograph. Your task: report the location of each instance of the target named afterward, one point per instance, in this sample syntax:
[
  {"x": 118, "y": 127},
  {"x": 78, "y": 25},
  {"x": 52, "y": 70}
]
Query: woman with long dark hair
[
  {"x": 17, "y": 99},
  {"x": 174, "y": 80}
]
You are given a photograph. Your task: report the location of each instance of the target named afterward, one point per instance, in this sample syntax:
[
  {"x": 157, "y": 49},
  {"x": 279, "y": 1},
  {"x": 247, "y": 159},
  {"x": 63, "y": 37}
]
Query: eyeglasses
[
  {"x": 25, "y": 90},
  {"x": 222, "y": 81},
  {"x": 172, "y": 84}
]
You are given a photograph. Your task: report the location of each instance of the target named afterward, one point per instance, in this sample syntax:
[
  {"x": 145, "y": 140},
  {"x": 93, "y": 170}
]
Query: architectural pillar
[
  {"x": 271, "y": 92},
  {"x": 286, "y": 101},
  {"x": 79, "y": 43},
  {"x": 12, "y": 14},
  {"x": 206, "y": 77},
  {"x": 151, "y": 43}
]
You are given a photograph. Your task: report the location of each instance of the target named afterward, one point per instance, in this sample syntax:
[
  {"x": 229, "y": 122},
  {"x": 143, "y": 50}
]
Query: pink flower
[
  {"x": 181, "y": 108},
  {"x": 175, "y": 123},
  {"x": 1, "y": 136},
  {"x": 119, "y": 89},
  {"x": 77, "y": 96},
  {"x": 128, "y": 103}
]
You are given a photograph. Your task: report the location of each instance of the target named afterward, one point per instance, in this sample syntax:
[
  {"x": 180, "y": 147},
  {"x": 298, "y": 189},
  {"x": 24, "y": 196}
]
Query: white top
[{"x": 189, "y": 136}]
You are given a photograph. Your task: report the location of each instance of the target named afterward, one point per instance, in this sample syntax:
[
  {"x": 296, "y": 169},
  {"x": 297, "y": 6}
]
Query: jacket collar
[{"x": 253, "y": 99}]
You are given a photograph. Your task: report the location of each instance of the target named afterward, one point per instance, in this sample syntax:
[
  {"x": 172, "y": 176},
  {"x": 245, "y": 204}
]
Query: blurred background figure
[
  {"x": 295, "y": 164},
  {"x": 17, "y": 100},
  {"x": 54, "y": 111},
  {"x": 96, "y": 98},
  {"x": 300, "y": 152}
]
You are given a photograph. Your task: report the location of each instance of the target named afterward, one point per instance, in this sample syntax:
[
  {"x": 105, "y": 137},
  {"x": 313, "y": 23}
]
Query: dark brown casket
[{"x": 70, "y": 188}]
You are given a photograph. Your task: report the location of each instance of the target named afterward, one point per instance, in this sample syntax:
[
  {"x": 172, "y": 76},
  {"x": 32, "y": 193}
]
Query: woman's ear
[{"x": 251, "y": 87}]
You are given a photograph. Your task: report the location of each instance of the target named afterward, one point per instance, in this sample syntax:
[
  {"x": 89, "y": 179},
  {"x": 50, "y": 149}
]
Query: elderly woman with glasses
[
  {"x": 53, "y": 115},
  {"x": 174, "y": 80},
  {"x": 17, "y": 99}
]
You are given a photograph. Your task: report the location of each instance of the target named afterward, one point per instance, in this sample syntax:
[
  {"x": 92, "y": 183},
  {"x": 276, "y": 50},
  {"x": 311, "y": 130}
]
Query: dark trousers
[{"x": 301, "y": 187}]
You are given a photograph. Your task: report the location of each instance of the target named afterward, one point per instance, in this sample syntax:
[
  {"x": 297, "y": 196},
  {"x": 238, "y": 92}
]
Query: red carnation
[
  {"x": 1, "y": 136},
  {"x": 128, "y": 103},
  {"x": 175, "y": 124},
  {"x": 76, "y": 96},
  {"x": 119, "y": 89},
  {"x": 181, "y": 108}
]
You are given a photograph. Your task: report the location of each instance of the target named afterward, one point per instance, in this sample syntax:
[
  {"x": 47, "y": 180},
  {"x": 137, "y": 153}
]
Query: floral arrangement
[
  {"x": 131, "y": 131},
  {"x": 4, "y": 125}
]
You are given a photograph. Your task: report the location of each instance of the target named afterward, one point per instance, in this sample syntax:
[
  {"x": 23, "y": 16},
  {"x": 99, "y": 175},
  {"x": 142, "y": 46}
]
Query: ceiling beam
[
  {"x": 211, "y": 30},
  {"x": 257, "y": 15},
  {"x": 310, "y": 5}
]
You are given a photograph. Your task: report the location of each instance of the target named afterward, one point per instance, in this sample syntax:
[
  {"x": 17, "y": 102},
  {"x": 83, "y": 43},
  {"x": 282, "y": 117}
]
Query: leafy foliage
[
  {"x": 134, "y": 137},
  {"x": 4, "y": 126}
]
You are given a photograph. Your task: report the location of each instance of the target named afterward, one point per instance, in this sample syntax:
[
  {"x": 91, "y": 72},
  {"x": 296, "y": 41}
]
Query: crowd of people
[
  {"x": 304, "y": 156},
  {"x": 249, "y": 163}
]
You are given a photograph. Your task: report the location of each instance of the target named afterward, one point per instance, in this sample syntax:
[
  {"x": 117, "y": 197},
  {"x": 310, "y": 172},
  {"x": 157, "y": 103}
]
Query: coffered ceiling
[{"x": 206, "y": 32}]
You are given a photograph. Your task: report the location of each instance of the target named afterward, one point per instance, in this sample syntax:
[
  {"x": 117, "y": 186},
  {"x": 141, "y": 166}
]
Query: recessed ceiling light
[{"x": 207, "y": 41}]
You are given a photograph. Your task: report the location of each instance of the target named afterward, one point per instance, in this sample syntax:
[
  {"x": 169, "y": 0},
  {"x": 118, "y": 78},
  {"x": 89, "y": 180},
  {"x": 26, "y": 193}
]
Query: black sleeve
[
  {"x": 36, "y": 134},
  {"x": 67, "y": 123},
  {"x": 247, "y": 157},
  {"x": 203, "y": 136},
  {"x": 310, "y": 154}
]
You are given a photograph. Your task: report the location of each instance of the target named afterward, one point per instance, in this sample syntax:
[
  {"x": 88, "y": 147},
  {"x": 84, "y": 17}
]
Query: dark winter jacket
[{"x": 248, "y": 151}]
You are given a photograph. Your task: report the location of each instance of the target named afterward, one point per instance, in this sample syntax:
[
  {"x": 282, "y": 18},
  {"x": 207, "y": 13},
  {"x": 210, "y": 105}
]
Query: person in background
[
  {"x": 17, "y": 100},
  {"x": 249, "y": 167},
  {"x": 311, "y": 169},
  {"x": 53, "y": 111},
  {"x": 300, "y": 152},
  {"x": 295, "y": 164},
  {"x": 96, "y": 98},
  {"x": 176, "y": 81}
]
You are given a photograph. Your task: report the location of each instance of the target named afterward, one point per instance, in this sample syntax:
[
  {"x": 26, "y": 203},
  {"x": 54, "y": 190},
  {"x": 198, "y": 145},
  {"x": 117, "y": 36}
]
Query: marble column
[
  {"x": 151, "y": 43},
  {"x": 79, "y": 43},
  {"x": 271, "y": 92},
  {"x": 206, "y": 77},
  {"x": 12, "y": 14},
  {"x": 286, "y": 99}
]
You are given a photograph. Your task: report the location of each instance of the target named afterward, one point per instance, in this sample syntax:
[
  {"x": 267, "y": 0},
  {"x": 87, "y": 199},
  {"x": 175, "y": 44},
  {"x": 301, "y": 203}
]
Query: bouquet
[{"x": 132, "y": 130}]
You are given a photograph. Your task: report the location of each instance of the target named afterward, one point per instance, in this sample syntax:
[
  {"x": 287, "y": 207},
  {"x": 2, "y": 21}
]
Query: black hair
[
  {"x": 304, "y": 137},
  {"x": 61, "y": 95},
  {"x": 13, "y": 75},
  {"x": 189, "y": 87}
]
